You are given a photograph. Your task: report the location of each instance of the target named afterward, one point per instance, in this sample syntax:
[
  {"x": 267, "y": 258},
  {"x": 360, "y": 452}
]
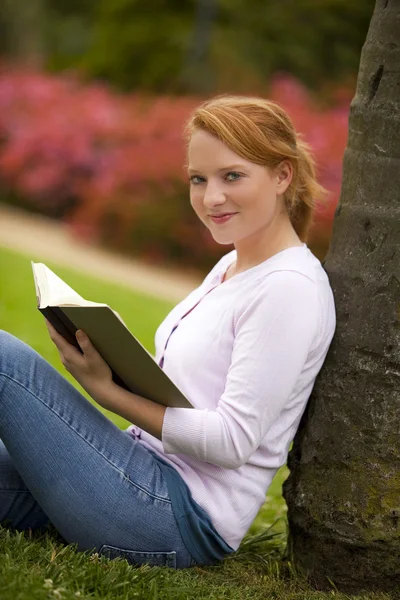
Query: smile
[{"x": 222, "y": 218}]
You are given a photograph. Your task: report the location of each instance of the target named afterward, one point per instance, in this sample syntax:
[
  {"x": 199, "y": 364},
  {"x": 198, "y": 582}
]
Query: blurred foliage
[
  {"x": 173, "y": 46},
  {"x": 314, "y": 40},
  {"x": 112, "y": 165},
  {"x": 140, "y": 43}
]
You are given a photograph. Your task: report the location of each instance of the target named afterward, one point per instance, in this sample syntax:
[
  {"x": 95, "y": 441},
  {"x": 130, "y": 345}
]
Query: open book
[{"x": 133, "y": 367}]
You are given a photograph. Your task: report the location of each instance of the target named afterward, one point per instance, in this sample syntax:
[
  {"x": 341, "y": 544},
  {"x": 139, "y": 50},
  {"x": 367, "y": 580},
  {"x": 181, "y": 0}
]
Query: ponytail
[{"x": 303, "y": 191}]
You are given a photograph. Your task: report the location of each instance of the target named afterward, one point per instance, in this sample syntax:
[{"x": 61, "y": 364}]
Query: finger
[
  {"x": 85, "y": 344},
  {"x": 50, "y": 328},
  {"x": 67, "y": 350},
  {"x": 54, "y": 335}
]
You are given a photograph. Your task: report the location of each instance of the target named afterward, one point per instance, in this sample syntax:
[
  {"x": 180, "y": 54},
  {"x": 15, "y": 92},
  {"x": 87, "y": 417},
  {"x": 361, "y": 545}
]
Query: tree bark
[{"x": 343, "y": 491}]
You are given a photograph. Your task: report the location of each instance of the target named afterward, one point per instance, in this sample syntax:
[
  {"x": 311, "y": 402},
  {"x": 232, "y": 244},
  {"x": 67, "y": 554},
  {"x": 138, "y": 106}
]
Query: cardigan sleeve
[{"x": 274, "y": 334}]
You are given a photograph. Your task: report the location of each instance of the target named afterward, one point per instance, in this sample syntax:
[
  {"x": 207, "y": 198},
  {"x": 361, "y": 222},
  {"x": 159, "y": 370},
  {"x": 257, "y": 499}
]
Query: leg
[
  {"x": 18, "y": 508},
  {"x": 97, "y": 484}
]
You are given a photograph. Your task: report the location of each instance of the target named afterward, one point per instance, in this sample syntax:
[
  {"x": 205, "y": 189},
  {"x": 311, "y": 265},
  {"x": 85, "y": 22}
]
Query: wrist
[{"x": 104, "y": 393}]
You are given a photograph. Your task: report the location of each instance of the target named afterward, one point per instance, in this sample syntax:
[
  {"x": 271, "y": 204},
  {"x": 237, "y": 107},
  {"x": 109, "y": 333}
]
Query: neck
[{"x": 263, "y": 244}]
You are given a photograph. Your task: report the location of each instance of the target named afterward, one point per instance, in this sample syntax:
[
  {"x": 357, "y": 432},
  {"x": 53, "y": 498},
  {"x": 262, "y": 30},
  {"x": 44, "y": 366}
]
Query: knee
[
  {"x": 11, "y": 349},
  {"x": 18, "y": 361},
  {"x": 7, "y": 340}
]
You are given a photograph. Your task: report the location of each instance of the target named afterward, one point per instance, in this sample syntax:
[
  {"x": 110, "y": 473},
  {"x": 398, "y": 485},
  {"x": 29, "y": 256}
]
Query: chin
[{"x": 223, "y": 240}]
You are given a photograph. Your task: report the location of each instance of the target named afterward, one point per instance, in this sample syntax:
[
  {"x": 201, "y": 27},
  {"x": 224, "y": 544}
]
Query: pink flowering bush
[{"x": 112, "y": 166}]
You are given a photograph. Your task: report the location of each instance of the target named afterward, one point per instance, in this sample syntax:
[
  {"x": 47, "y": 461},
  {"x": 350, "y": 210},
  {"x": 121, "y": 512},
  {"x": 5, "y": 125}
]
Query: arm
[
  {"x": 144, "y": 413},
  {"x": 273, "y": 337},
  {"x": 95, "y": 376}
]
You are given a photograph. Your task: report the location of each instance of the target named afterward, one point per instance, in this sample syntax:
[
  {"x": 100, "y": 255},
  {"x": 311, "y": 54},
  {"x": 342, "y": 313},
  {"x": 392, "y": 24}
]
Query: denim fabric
[
  {"x": 197, "y": 531},
  {"x": 62, "y": 461}
]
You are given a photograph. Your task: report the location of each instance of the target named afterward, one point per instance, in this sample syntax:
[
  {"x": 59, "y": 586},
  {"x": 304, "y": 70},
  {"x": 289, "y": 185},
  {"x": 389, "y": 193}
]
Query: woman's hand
[{"x": 89, "y": 369}]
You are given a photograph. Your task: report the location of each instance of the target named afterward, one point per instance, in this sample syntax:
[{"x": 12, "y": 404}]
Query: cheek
[{"x": 196, "y": 200}]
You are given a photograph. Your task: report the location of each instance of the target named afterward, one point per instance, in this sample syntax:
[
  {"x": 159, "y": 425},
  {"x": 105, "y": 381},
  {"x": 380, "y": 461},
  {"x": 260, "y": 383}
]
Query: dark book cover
[{"x": 132, "y": 366}]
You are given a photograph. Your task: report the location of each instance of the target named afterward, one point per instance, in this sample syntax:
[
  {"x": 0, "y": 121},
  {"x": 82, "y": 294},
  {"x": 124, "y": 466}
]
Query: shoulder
[
  {"x": 292, "y": 274},
  {"x": 299, "y": 261},
  {"x": 279, "y": 290},
  {"x": 292, "y": 294},
  {"x": 285, "y": 288}
]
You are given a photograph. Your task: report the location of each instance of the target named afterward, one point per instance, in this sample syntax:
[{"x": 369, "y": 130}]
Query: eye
[
  {"x": 233, "y": 176},
  {"x": 196, "y": 179}
]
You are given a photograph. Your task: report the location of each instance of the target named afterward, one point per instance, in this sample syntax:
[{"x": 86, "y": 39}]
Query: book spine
[{"x": 61, "y": 324}]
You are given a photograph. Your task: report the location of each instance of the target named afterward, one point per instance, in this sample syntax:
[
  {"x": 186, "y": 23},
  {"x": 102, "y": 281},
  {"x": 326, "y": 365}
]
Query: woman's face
[{"x": 234, "y": 197}]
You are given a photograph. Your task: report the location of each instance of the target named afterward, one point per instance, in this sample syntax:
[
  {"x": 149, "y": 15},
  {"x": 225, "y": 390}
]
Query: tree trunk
[
  {"x": 343, "y": 492},
  {"x": 24, "y": 24},
  {"x": 197, "y": 73}
]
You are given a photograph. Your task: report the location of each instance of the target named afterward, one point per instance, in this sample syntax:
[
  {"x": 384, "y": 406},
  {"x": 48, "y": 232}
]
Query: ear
[{"x": 284, "y": 174}]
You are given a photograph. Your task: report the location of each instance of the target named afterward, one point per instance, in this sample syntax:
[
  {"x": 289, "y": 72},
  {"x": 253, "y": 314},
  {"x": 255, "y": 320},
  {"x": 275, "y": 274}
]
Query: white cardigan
[{"x": 246, "y": 357}]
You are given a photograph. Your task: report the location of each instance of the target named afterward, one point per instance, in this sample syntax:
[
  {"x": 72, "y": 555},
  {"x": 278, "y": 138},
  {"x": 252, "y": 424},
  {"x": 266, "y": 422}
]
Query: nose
[{"x": 213, "y": 196}]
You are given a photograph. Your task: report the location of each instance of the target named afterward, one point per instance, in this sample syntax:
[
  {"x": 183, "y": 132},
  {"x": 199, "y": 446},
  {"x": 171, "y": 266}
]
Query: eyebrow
[{"x": 228, "y": 168}]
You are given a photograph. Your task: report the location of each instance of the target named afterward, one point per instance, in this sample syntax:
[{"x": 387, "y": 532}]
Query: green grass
[
  {"x": 19, "y": 315},
  {"x": 41, "y": 567}
]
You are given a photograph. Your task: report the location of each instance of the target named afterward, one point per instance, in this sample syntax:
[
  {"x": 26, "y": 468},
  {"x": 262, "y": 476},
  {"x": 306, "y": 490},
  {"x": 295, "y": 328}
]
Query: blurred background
[{"x": 94, "y": 95}]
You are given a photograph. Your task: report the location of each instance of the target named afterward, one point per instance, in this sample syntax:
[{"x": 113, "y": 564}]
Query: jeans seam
[
  {"x": 149, "y": 554},
  {"x": 126, "y": 477}
]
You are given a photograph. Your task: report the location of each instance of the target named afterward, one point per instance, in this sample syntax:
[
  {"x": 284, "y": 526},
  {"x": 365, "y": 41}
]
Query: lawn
[{"x": 41, "y": 567}]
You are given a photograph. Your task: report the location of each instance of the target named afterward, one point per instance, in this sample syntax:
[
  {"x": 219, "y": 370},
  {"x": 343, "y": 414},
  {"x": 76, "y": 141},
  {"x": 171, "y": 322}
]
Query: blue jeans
[{"x": 63, "y": 462}]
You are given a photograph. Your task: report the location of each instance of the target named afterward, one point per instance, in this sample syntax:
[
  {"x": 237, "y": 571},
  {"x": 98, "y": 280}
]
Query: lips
[
  {"x": 222, "y": 215},
  {"x": 222, "y": 218}
]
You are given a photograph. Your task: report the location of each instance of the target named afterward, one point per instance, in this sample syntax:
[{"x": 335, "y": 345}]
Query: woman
[{"x": 181, "y": 486}]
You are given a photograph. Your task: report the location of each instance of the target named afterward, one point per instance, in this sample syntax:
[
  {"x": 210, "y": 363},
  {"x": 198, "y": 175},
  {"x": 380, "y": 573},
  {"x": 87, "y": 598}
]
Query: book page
[{"x": 51, "y": 290}]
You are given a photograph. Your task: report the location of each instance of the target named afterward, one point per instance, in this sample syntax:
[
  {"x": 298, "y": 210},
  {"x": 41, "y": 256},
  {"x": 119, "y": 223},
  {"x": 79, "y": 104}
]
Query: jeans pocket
[{"x": 134, "y": 557}]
